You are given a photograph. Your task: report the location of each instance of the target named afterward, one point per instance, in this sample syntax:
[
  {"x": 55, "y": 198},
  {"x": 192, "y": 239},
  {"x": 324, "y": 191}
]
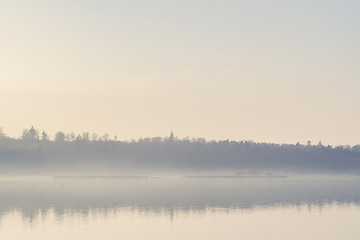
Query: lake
[{"x": 298, "y": 207}]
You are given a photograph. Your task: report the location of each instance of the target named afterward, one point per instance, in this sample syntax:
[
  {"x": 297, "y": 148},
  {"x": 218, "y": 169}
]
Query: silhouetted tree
[
  {"x": 60, "y": 137},
  {"x": 31, "y": 134},
  {"x": 85, "y": 136},
  {"x": 94, "y": 137},
  {"x": 171, "y": 138},
  {"x": 44, "y": 136},
  {"x": 105, "y": 137}
]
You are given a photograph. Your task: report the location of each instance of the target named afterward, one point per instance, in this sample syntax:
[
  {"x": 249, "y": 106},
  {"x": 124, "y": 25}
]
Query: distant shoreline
[
  {"x": 146, "y": 177},
  {"x": 96, "y": 177},
  {"x": 235, "y": 176},
  {"x": 244, "y": 159}
]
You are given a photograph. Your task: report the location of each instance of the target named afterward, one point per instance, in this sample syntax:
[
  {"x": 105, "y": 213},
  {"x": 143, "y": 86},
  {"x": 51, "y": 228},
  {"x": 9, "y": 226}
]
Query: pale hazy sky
[{"x": 273, "y": 71}]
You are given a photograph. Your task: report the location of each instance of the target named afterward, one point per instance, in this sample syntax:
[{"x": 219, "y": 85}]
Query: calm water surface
[{"x": 177, "y": 208}]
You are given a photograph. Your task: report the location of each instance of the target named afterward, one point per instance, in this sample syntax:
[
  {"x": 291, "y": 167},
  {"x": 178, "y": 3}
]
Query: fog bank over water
[{"x": 83, "y": 154}]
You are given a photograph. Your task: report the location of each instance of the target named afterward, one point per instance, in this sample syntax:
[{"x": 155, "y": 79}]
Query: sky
[{"x": 268, "y": 71}]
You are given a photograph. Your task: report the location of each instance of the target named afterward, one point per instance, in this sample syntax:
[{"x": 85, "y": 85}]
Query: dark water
[{"x": 176, "y": 207}]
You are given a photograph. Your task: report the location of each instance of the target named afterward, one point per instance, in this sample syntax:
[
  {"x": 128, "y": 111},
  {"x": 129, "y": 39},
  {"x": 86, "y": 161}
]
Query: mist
[{"x": 89, "y": 154}]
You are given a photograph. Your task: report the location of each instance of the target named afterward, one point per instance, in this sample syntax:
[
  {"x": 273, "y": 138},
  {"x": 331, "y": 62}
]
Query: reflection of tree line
[
  {"x": 164, "y": 194},
  {"x": 84, "y": 213},
  {"x": 35, "y": 149},
  {"x": 84, "y": 209}
]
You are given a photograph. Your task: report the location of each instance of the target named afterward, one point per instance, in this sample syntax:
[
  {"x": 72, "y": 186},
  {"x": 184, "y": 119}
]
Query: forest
[{"x": 35, "y": 152}]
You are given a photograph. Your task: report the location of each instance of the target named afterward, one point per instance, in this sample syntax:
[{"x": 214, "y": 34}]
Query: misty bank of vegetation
[{"x": 35, "y": 152}]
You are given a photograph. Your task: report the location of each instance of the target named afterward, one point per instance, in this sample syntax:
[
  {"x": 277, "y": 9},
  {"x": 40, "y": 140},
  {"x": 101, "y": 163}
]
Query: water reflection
[
  {"x": 164, "y": 208},
  {"x": 171, "y": 196}
]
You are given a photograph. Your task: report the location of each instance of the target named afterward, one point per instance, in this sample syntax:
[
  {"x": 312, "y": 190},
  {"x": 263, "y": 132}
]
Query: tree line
[{"x": 34, "y": 151}]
